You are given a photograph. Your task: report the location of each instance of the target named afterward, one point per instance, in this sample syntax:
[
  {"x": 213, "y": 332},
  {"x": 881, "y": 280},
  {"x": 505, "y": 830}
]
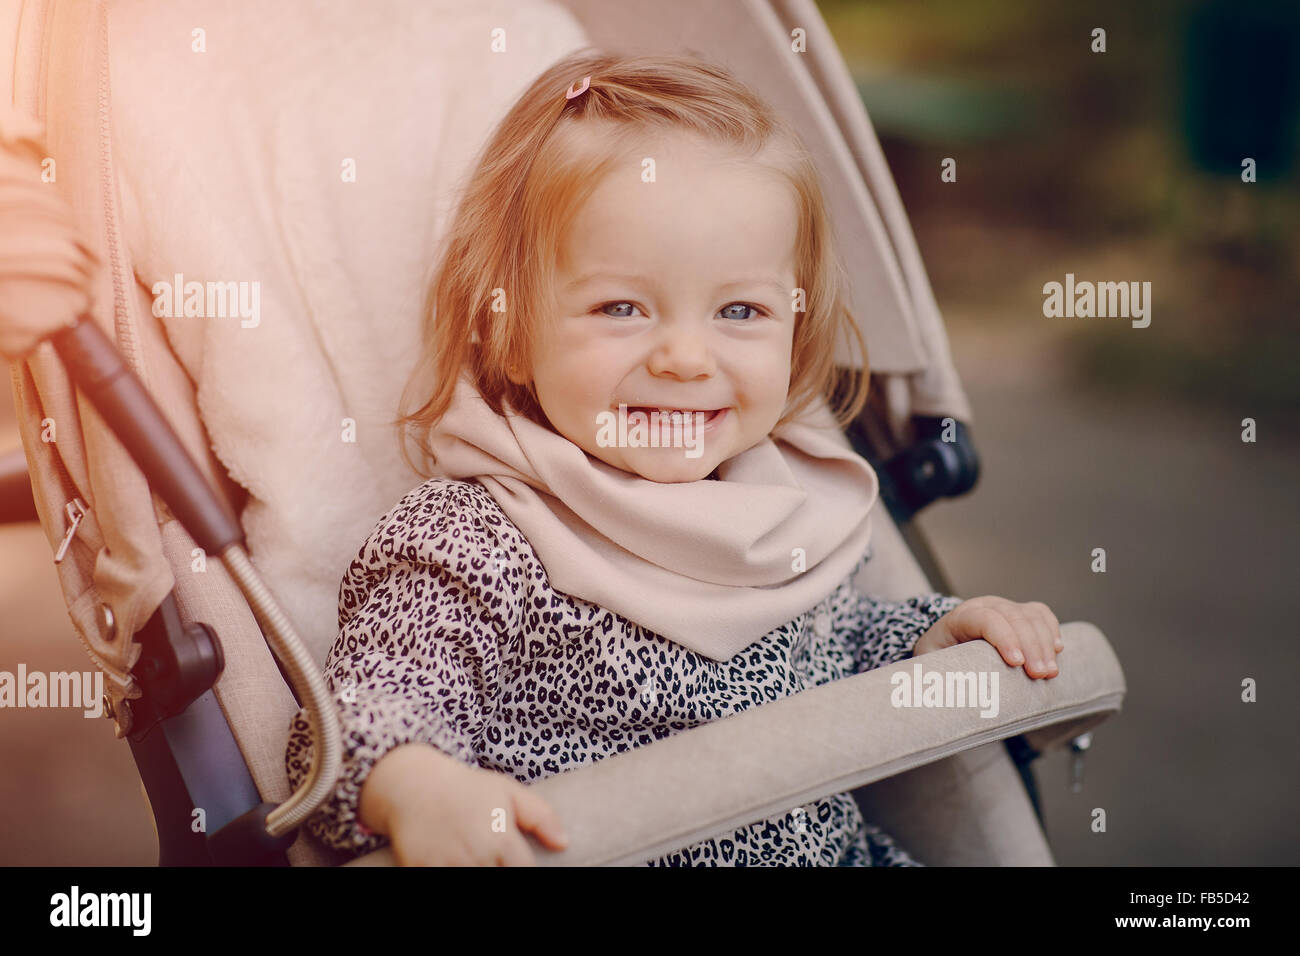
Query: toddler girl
[{"x": 636, "y": 527}]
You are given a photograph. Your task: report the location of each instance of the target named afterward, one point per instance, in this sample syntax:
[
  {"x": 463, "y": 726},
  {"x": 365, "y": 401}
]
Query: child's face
[{"x": 673, "y": 295}]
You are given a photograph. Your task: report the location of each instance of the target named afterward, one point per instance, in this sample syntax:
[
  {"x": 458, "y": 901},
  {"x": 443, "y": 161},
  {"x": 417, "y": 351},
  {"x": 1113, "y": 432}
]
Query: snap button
[
  {"x": 108, "y": 623},
  {"x": 121, "y": 721}
]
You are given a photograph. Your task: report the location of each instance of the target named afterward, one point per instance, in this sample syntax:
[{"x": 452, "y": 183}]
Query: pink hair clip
[{"x": 572, "y": 94}]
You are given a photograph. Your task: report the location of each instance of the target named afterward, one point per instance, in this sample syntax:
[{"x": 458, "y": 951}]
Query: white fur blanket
[{"x": 304, "y": 187}]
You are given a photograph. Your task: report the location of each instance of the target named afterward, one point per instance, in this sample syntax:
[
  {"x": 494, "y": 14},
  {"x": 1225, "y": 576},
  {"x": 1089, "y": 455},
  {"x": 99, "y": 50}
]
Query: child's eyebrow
[
  {"x": 629, "y": 279},
  {"x": 613, "y": 276},
  {"x": 777, "y": 287}
]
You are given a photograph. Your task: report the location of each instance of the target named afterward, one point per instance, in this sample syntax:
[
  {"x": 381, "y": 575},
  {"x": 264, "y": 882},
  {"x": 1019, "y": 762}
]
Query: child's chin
[{"x": 672, "y": 468}]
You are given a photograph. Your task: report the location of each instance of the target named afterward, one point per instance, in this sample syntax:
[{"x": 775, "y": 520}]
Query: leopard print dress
[{"x": 451, "y": 635}]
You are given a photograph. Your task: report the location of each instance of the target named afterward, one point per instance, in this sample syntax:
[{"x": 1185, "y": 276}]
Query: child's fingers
[
  {"x": 1049, "y": 641},
  {"x": 536, "y": 816},
  {"x": 990, "y": 625},
  {"x": 1040, "y": 650},
  {"x": 515, "y": 851},
  {"x": 1053, "y": 625},
  {"x": 1020, "y": 632}
]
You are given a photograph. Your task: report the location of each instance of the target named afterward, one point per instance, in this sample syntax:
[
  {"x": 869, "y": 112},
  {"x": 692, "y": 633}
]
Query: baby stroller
[{"x": 213, "y": 145}]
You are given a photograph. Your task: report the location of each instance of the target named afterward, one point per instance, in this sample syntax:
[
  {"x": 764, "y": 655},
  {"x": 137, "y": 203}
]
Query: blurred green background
[{"x": 1122, "y": 166}]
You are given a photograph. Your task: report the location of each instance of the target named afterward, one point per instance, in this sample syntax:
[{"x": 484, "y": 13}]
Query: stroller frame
[{"x": 180, "y": 736}]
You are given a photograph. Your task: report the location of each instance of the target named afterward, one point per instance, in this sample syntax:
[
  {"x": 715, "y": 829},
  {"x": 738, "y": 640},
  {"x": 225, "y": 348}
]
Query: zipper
[{"x": 75, "y": 511}]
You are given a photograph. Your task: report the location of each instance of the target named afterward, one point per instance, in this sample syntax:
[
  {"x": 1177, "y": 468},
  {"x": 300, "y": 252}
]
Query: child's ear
[{"x": 516, "y": 374}]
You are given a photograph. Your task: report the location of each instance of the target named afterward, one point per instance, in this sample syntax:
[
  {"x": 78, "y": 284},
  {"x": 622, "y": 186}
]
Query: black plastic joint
[
  {"x": 941, "y": 463},
  {"x": 244, "y": 841},
  {"x": 178, "y": 664}
]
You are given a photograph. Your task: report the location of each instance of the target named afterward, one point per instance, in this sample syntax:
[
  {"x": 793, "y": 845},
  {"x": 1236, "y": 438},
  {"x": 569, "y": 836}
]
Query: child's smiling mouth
[{"x": 658, "y": 413}]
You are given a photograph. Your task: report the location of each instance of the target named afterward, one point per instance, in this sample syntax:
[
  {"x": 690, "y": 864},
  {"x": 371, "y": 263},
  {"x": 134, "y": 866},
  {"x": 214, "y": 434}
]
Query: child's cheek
[{"x": 769, "y": 382}]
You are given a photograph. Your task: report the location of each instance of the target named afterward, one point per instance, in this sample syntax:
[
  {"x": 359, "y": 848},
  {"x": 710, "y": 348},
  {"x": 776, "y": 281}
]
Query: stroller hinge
[
  {"x": 940, "y": 464},
  {"x": 178, "y": 664}
]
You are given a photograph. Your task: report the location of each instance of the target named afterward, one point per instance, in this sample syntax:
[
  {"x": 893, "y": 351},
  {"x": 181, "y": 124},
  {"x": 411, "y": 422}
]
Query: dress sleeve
[
  {"x": 425, "y": 612},
  {"x": 882, "y": 632}
]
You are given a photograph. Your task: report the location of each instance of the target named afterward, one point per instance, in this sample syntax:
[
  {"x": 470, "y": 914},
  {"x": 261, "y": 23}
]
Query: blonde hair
[{"x": 528, "y": 184}]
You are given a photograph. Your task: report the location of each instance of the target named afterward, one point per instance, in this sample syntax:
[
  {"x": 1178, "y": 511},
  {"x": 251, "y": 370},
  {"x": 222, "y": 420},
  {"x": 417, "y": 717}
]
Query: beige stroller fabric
[
  {"x": 312, "y": 162},
  {"x": 633, "y": 802},
  {"x": 338, "y": 282}
]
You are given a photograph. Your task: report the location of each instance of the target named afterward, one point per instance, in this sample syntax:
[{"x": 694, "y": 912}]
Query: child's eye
[
  {"x": 739, "y": 311},
  {"x": 622, "y": 306},
  {"x": 727, "y": 313}
]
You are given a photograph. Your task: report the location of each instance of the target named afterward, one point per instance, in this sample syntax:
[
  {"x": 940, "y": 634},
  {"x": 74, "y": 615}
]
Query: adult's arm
[{"x": 45, "y": 267}]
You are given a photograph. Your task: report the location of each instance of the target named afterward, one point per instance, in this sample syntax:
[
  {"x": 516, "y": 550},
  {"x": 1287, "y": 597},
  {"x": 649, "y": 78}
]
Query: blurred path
[
  {"x": 1199, "y": 531},
  {"x": 69, "y": 794}
]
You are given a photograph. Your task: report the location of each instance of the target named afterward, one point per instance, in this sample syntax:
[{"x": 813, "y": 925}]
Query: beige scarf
[{"x": 711, "y": 565}]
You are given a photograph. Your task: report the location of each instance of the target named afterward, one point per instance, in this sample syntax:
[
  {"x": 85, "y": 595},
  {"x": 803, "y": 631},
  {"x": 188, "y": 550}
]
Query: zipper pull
[
  {"x": 75, "y": 510},
  {"x": 1078, "y": 747}
]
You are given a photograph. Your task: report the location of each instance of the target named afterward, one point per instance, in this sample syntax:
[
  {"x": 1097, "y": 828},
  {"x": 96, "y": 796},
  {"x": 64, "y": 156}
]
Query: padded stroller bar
[{"x": 709, "y": 780}]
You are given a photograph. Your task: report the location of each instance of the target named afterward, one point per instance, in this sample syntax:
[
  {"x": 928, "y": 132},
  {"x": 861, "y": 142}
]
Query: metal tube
[{"x": 309, "y": 684}]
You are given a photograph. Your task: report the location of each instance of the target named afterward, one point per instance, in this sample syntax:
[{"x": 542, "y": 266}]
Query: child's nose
[{"x": 682, "y": 355}]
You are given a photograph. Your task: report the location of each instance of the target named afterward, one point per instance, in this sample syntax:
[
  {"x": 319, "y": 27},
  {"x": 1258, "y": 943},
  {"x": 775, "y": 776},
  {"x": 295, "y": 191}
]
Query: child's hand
[
  {"x": 437, "y": 811},
  {"x": 1026, "y": 634}
]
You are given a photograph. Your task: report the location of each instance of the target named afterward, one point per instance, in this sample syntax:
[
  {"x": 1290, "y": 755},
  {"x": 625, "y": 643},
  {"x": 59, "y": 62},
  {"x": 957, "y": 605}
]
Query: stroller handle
[
  {"x": 97, "y": 368},
  {"x": 135, "y": 418}
]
